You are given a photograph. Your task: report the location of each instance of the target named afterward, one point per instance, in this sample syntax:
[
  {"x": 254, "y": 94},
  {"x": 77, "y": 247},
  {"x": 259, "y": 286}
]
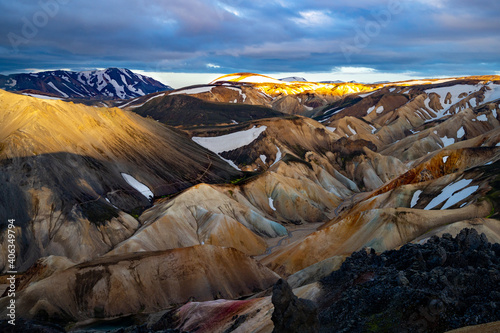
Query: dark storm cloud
[{"x": 423, "y": 36}]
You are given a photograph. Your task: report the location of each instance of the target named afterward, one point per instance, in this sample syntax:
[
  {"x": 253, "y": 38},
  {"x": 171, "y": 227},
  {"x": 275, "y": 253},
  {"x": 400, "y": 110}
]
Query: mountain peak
[
  {"x": 293, "y": 78},
  {"x": 109, "y": 83},
  {"x": 247, "y": 78}
]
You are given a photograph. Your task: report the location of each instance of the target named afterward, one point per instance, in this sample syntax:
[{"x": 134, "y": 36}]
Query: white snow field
[
  {"x": 140, "y": 187},
  {"x": 271, "y": 204},
  {"x": 453, "y": 193},
  {"x": 192, "y": 91},
  {"x": 231, "y": 141},
  {"x": 228, "y": 142},
  {"x": 414, "y": 199}
]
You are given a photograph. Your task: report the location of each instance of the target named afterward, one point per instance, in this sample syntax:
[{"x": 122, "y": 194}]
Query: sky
[{"x": 182, "y": 42}]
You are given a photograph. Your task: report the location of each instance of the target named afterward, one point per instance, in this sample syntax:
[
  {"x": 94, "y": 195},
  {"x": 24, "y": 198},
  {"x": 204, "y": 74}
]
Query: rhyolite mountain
[
  {"x": 110, "y": 83},
  {"x": 185, "y": 111},
  {"x": 187, "y": 228},
  {"x": 68, "y": 173}
]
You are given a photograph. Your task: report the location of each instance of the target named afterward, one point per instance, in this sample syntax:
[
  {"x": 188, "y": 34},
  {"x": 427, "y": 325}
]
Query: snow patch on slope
[
  {"x": 367, "y": 94},
  {"x": 124, "y": 105},
  {"x": 140, "y": 187},
  {"x": 493, "y": 94},
  {"x": 447, "y": 141},
  {"x": 448, "y": 192},
  {"x": 11, "y": 83},
  {"x": 482, "y": 118},
  {"x": 55, "y": 88},
  {"x": 41, "y": 96},
  {"x": 228, "y": 142},
  {"x": 278, "y": 156},
  {"x": 160, "y": 95},
  {"x": 352, "y": 130},
  {"x": 120, "y": 90},
  {"x": 414, "y": 199},
  {"x": 198, "y": 90},
  {"x": 459, "y": 196},
  {"x": 271, "y": 204},
  {"x": 455, "y": 91}
]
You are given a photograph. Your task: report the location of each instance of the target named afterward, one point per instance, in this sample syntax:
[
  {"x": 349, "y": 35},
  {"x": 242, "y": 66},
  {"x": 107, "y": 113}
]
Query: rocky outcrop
[
  {"x": 291, "y": 314},
  {"x": 23, "y": 325},
  {"x": 443, "y": 284}
]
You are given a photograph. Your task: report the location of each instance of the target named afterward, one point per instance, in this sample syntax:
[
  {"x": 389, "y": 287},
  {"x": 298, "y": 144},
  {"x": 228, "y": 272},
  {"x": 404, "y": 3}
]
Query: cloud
[
  {"x": 433, "y": 3},
  {"x": 428, "y": 37},
  {"x": 353, "y": 70},
  {"x": 313, "y": 18},
  {"x": 212, "y": 66},
  {"x": 299, "y": 48},
  {"x": 230, "y": 9}
]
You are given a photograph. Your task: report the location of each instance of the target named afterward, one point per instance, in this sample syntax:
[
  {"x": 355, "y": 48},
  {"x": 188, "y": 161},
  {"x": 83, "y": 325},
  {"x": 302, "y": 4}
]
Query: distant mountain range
[
  {"x": 293, "y": 78},
  {"x": 111, "y": 83}
]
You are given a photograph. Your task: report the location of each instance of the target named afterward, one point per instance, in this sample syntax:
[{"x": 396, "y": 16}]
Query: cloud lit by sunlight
[
  {"x": 313, "y": 18},
  {"x": 353, "y": 70}
]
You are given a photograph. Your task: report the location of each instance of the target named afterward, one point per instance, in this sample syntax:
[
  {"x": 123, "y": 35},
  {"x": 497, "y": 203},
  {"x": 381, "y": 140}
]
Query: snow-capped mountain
[{"x": 111, "y": 83}]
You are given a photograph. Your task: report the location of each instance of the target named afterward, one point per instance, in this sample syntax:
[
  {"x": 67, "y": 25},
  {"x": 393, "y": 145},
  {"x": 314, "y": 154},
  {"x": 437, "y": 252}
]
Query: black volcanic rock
[
  {"x": 441, "y": 285},
  {"x": 22, "y": 325},
  {"x": 292, "y": 314},
  {"x": 111, "y": 83}
]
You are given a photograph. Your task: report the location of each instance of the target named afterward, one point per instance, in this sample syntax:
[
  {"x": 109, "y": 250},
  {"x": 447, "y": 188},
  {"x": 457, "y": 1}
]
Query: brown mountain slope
[
  {"x": 240, "y": 216},
  {"x": 62, "y": 167},
  {"x": 447, "y": 189},
  {"x": 222, "y": 93},
  {"x": 305, "y": 178},
  {"x": 188, "y": 111},
  {"x": 146, "y": 282}
]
